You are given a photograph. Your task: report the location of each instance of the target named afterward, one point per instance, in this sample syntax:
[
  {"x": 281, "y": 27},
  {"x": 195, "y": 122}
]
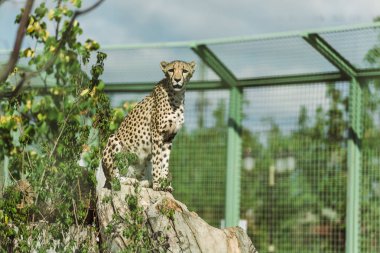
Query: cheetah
[{"x": 149, "y": 129}]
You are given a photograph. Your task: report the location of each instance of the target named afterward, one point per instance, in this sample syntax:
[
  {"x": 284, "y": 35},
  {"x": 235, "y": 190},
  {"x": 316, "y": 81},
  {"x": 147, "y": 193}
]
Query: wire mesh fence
[
  {"x": 294, "y": 165},
  {"x": 370, "y": 176},
  {"x": 202, "y": 167},
  {"x": 293, "y": 195},
  {"x": 370, "y": 201},
  {"x": 298, "y": 111}
]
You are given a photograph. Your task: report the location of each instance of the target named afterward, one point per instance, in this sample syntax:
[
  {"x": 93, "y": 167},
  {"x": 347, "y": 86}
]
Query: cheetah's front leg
[
  {"x": 113, "y": 146},
  {"x": 160, "y": 166},
  {"x": 165, "y": 179}
]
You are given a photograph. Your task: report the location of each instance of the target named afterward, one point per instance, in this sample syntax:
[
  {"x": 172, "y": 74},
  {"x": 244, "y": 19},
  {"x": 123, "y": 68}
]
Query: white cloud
[
  {"x": 117, "y": 22},
  {"x": 168, "y": 20}
]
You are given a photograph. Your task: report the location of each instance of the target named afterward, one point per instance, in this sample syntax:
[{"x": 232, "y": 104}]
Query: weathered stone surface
[{"x": 181, "y": 230}]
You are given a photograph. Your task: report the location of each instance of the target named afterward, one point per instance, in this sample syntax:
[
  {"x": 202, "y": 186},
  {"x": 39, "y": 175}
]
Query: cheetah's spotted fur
[{"x": 149, "y": 129}]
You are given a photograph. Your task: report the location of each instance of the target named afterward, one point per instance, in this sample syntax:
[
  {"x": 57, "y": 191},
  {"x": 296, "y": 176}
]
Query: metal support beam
[
  {"x": 331, "y": 54},
  {"x": 215, "y": 64},
  {"x": 368, "y": 74},
  {"x": 234, "y": 153},
  {"x": 354, "y": 168},
  {"x": 148, "y": 86},
  {"x": 362, "y": 75},
  {"x": 292, "y": 79}
]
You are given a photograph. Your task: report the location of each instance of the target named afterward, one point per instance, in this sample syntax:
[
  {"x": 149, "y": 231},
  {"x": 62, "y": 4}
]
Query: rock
[{"x": 138, "y": 219}]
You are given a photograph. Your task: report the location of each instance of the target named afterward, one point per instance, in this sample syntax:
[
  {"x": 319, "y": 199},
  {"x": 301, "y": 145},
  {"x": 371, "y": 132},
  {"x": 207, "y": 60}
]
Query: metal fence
[{"x": 281, "y": 136}]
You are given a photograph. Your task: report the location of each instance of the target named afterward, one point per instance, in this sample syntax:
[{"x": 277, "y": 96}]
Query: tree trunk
[{"x": 139, "y": 220}]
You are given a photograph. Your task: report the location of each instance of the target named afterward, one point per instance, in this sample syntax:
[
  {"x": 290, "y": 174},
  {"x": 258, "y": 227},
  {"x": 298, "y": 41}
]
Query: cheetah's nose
[{"x": 177, "y": 79}]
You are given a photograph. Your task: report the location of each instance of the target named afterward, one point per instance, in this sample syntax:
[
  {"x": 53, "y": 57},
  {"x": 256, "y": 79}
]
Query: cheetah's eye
[
  {"x": 171, "y": 70},
  {"x": 185, "y": 71}
]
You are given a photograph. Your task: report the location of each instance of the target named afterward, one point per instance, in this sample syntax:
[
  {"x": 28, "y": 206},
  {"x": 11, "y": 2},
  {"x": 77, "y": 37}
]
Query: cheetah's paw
[
  {"x": 144, "y": 183},
  {"x": 128, "y": 181},
  {"x": 157, "y": 187}
]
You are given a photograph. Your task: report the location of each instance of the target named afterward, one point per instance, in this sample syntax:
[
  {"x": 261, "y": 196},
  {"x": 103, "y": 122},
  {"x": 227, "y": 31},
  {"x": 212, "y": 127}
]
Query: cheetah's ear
[
  {"x": 163, "y": 65},
  {"x": 192, "y": 65}
]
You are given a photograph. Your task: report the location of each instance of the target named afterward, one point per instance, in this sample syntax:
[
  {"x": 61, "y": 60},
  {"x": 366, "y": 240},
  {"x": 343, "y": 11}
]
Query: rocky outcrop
[{"x": 139, "y": 219}]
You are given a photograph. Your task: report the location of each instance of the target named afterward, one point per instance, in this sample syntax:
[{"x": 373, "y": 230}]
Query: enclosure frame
[{"x": 346, "y": 72}]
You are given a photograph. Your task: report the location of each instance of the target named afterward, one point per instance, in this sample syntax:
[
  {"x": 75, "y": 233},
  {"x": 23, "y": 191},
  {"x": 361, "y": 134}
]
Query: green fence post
[
  {"x": 354, "y": 168},
  {"x": 232, "y": 206}
]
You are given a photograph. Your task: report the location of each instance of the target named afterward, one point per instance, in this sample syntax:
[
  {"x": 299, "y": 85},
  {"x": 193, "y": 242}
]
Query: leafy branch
[{"x": 14, "y": 57}]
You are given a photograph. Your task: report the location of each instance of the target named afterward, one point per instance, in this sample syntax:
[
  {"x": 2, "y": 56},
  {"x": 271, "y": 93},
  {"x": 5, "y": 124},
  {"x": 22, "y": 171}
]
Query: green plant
[
  {"x": 123, "y": 160},
  {"x": 134, "y": 227},
  {"x": 167, "y": 209},
  {"x": 46, "y": 132}
]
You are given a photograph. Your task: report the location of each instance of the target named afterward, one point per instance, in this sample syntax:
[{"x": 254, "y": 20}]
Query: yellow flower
[
  {"x": 84, "y": 92},
  {"x": 64, "y": 9},
  {"x": 52, "y": 48},
  {"x": 45, "y": 36},
  {"x": 17, "y": 119},
  {"x": 37, "y": 26},
  {"x": 30, "y": 29},
  {"x": 5, "y": 119},
  {"x": 2, "y": 120},
  {"x": 31, "y": 21},
  {"x": 51, "y": 14},
  {"x": 29, "y": 52},
  {"x": 87, "y": 45},
  {"x": 15, "y": 70},
  {"x": 14, "y": 151},
  {"x": 29, "y": 104},
  {"x": 93, "y": 92}
]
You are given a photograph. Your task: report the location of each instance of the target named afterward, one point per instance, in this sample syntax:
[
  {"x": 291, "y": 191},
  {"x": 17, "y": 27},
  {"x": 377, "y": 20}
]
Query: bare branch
[
  {"x": 18, "y": 42},
  {"x": 59, "y": 21},
  {"x": 27, "y": 76}
]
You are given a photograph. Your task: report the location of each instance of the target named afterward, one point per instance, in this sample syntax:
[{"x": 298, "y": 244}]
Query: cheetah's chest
[{"x": 174, "y": 121}]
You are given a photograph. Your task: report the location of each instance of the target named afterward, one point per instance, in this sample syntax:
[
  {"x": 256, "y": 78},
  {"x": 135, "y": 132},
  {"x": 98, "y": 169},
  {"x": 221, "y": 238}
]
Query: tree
[{"x": 46, "y": 131}]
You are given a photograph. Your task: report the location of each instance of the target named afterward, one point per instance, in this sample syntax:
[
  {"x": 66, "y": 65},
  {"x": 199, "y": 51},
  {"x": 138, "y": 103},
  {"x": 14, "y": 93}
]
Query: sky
[{"x": 139, "y": 21}]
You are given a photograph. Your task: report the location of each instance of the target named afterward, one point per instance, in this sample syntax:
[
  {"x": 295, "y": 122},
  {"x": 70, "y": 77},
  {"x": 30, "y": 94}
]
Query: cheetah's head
[{"x": 178, "y": 73}]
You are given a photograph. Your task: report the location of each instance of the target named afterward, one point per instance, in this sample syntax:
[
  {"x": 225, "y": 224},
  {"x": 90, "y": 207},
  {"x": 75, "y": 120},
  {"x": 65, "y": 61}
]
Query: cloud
[
  {"x": 159, "y": 20},
  {"x": 135, "y": 21}
]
